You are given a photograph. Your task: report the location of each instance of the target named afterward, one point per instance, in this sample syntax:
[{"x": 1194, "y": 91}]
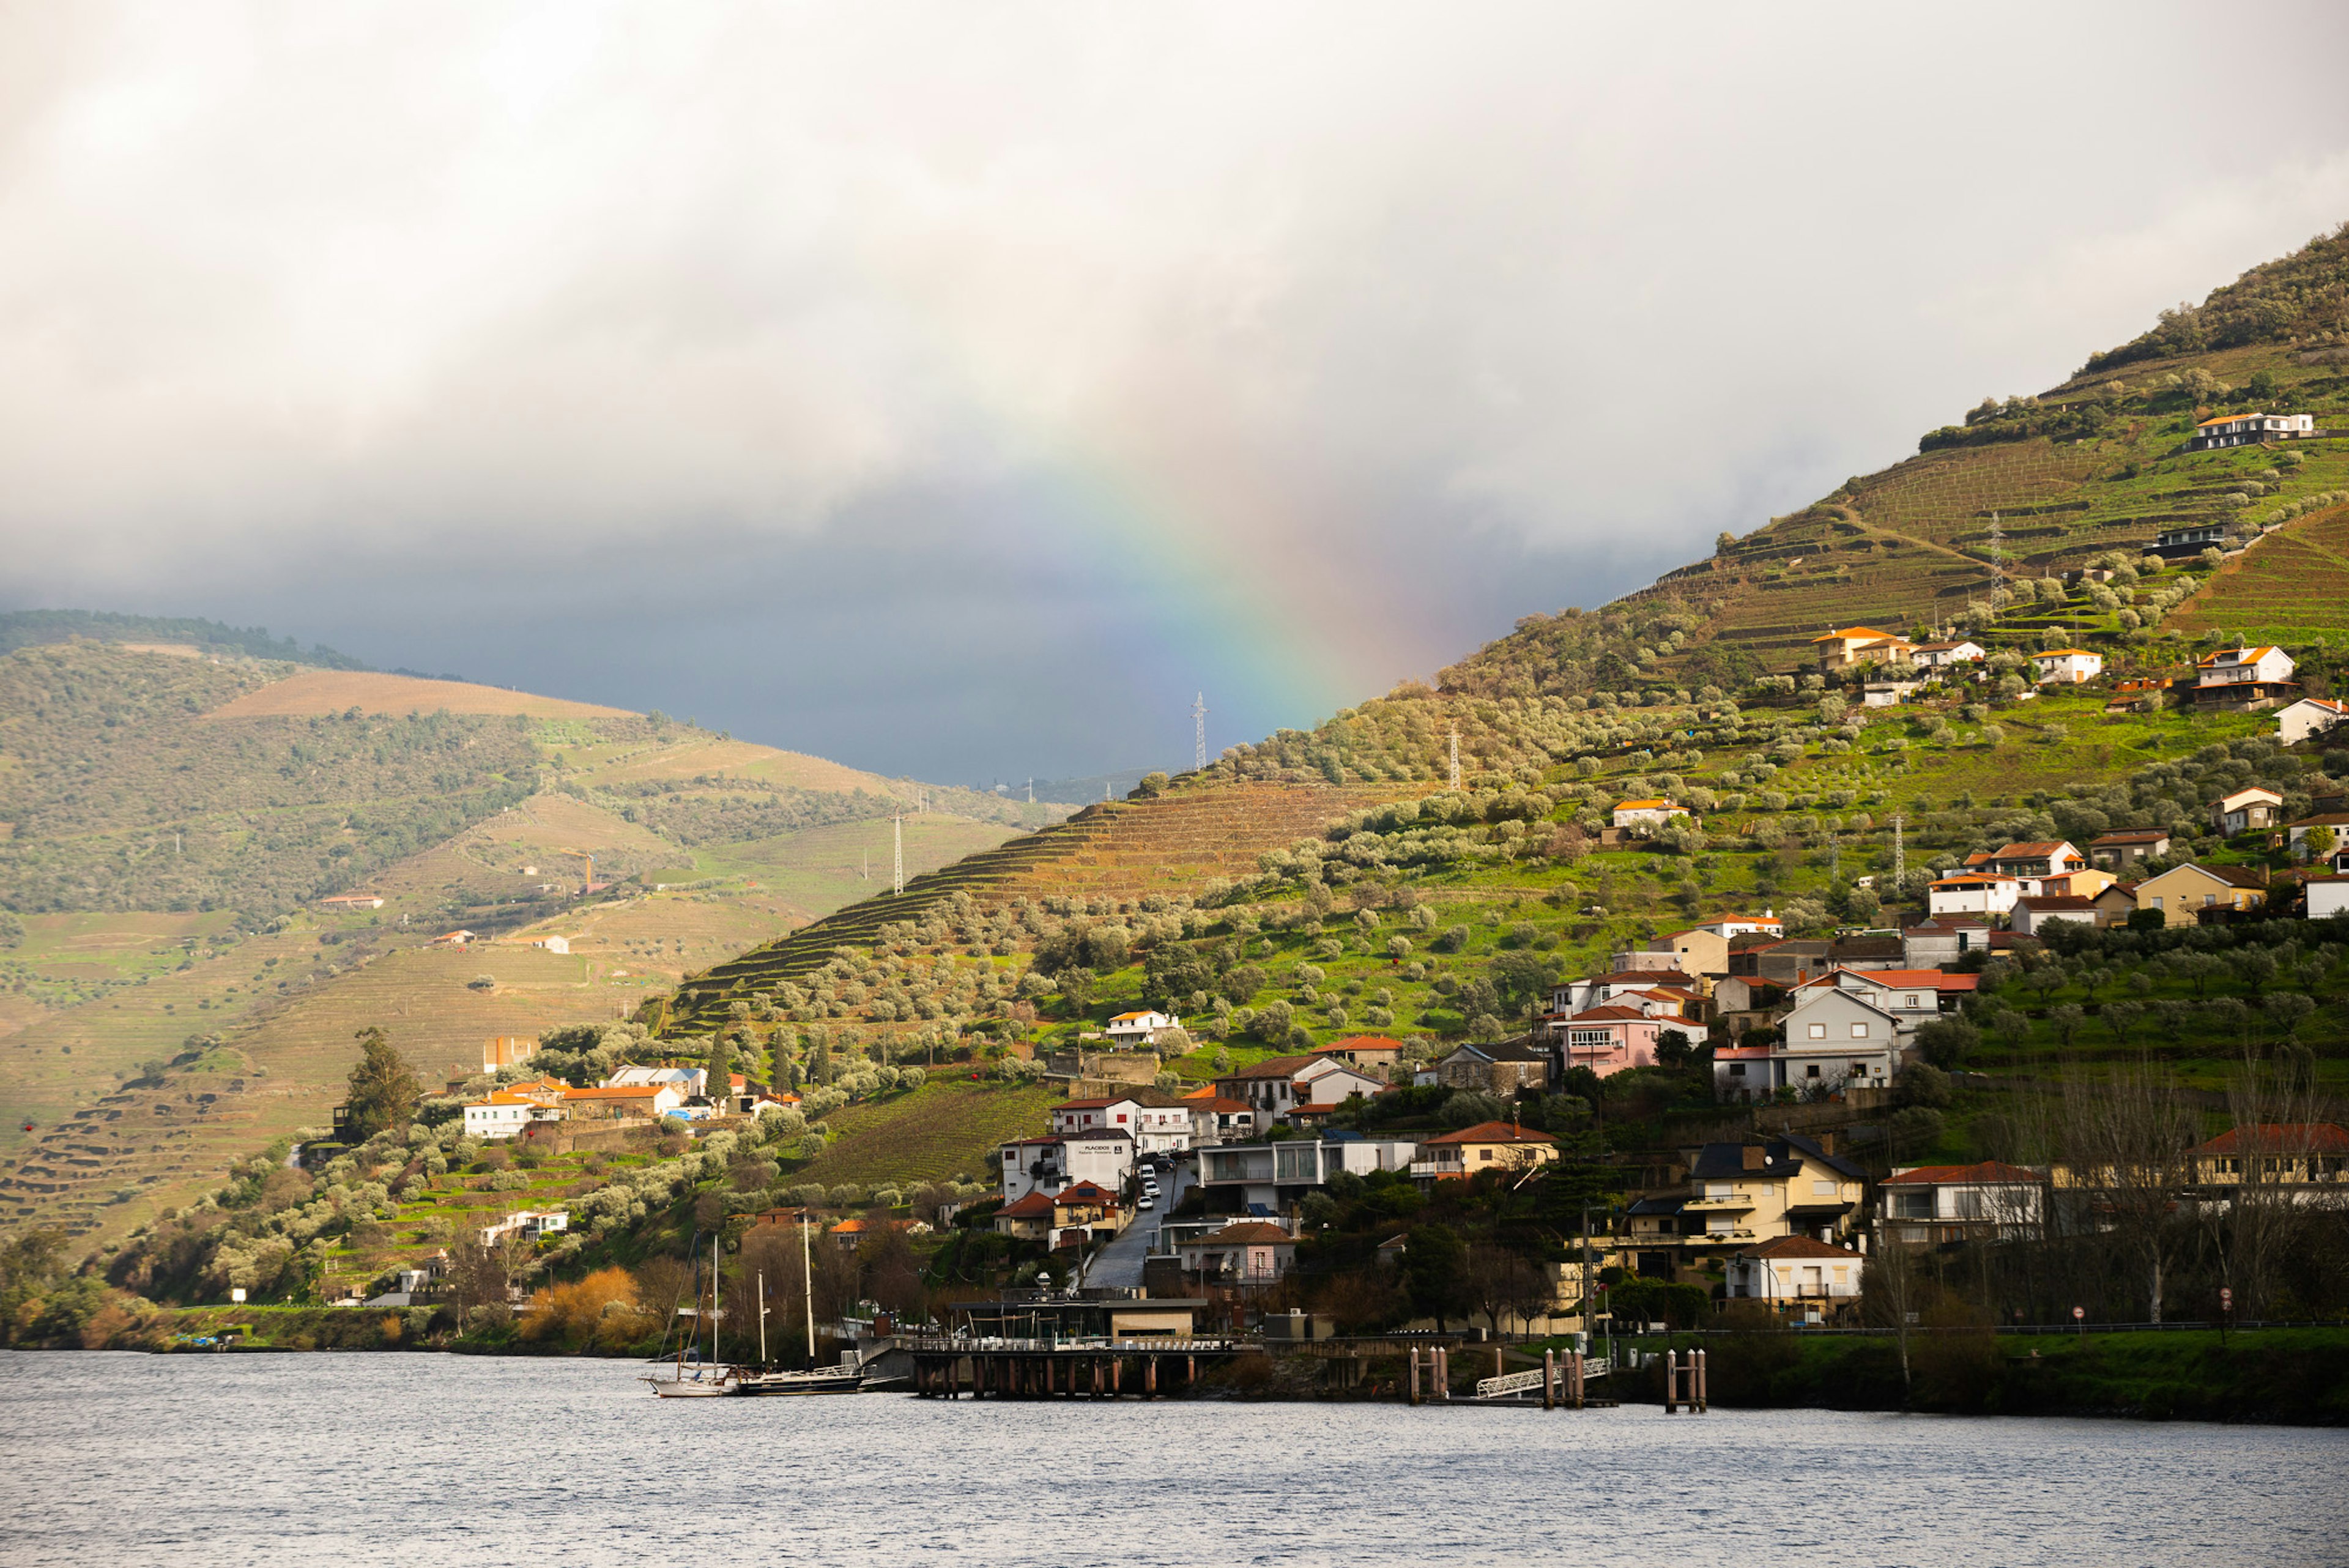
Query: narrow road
[{"x": 1118, "y": 1265}]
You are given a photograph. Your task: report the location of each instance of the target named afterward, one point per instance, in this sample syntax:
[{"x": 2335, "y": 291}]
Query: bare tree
[
  {"x": 2126, "y": 1138},
  {"x": 2249, "y": 1210}
]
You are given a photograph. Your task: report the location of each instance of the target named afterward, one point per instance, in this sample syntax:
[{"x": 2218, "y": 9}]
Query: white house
[
  {"x": 2037, "y": 858},
  {"x": 2067, "y": 666},
  {"x": 1598, "y": 990},
  {"x": 2310, "y": 716},
  {"x": 1835, "y": 1039},
  {"x": 688, "y": 1081},
  {"x": 1910, "y": 996},
  {"x": 1937, "y": 944},
  {"x": 2033, "y": 915},
  {"x": 551, "y": 944},
  {"x": 1731, "y": 926},
  {"x": 1795, "y": 1268},
  {"x": 1942, "y": 654},
  {"x": 2251, "y": 429},
  {"x": 1131, "y": 1030},
  {"x": 1218, "y": 1118},
  {"x": 528, "y": 1223},
  {"x": 2262, "y": 666},
  {"x": 1937, "y": 1203},
  {"x": 1972, "y": 893},
  {"x": 1652, "y": 812},
  {"x": 1157, "y": 1123},
  {"x": 1741, "y": 1072},
  {"x": 2327, "y": 896},
  {"x": 504, "y": 1115},
  {"x": 1276, "y": 1175},
  {"x": 1048, "y": 1165}
]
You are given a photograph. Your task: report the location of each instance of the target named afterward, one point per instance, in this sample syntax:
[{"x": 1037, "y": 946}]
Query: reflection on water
[{"x": 425, "y": 1459}]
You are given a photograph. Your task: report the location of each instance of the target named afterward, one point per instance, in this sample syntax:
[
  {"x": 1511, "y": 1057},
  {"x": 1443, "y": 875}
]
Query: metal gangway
[{"x": 1509, "y": 1384}]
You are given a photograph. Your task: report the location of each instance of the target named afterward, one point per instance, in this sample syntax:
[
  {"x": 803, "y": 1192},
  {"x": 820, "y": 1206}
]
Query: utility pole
[
  {"x": 1899, "y": 858},
  {"x": 1199, "y": 733},
  {"x": 898, "y": 833},
  {"x": 1456, "y": 757}
]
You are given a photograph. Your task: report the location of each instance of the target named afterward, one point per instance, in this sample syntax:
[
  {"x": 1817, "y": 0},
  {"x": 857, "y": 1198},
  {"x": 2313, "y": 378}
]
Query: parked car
[{"x": 1148, "y": 1200}]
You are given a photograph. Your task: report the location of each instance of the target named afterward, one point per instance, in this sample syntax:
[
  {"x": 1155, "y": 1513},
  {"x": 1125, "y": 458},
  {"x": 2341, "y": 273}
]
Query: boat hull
[{"x": 770, "y": 1383}]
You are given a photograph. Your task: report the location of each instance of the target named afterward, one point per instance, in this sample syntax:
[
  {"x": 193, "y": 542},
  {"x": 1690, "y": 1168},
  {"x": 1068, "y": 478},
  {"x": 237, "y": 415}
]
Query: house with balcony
[
  {"x": 1487, "y": 1145},
  {"x": 2033, "y": 861},
  {"x": 2249, "y": 430},
  {"x": 1844, "y": 648},
  {"x": 1983, "y": 893},
  {"x": 1912, "y": 996},
  {"x": 1795, "y": 1271},
  {"x": 1136, "y": 1031},
  {"x": 1596, "y": 991},
  {"x": 1241, "y": 1253},
  {"x": 1272, "y": 1178},
  {"x": 1836, "y": 1040},
  {"x": 1937, "y": 1205},
  {"x": 1102, "y": 1156},
  {"x": 1607, "y": 1038},
  {"x": 1158, "y": 1122},
  {"x": 1215, "y": 1119},
  {"x": 2244, "y": 679},
  {"x": 1736, "y": 1195}
]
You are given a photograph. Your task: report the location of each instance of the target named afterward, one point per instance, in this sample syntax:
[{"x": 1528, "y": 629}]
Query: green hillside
[{"x": 30, "y": 628}]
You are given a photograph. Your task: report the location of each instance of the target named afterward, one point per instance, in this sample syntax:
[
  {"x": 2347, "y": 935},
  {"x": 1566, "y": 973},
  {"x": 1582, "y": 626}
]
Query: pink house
[{"x": 1610, "y": 1038}]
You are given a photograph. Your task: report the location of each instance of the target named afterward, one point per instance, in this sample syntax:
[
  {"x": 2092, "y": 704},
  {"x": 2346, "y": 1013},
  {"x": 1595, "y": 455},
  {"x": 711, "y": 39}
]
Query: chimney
[
  {"x": 1756, "y": 1157},
  {"x": 1826, "y": 1139}
]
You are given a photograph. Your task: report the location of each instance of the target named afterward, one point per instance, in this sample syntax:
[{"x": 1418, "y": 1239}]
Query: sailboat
[
  {"x": 844, "y": 1378},
  {"x": 707, "y": 1381}
]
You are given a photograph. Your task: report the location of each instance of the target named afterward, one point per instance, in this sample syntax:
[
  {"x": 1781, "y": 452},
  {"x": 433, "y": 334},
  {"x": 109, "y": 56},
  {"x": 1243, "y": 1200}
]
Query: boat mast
[
  {"x": 807, "y": 1273},
  {"x": 713, "y": 1298}
]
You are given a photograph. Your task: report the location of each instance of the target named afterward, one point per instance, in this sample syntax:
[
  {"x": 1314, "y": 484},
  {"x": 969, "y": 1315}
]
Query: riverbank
[{"x": 2288, "y": 1376}]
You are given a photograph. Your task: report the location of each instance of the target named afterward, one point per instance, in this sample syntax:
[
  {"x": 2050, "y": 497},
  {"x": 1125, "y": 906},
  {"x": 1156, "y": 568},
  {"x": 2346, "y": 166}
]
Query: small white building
[
  {"x": 1942, "y": 654},
  {"x": 2327, "y": 897},
  {"x": 2309, "y": 717},
  {"x": 504, "y": 1115},
  {"x": 1929, "y": 1204},
  {"x": 1133, "y": 1031},
  {"x": 528, "y": 1223},
  {"x": 1049, "y": 1165},
  {"x": 2067, "y": 666},
  {"x": 1972, "y": 893},
  {"x": 1647, "y": 813},
  {"x": 690, "y": 1082},
  {"x": 1795, "y": 1268},
  {"x": 551, "y": 944},
  {"x": 2247, "y": 808}
]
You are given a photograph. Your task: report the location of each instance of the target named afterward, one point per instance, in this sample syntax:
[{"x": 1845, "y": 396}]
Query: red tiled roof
[
  {"x": 1218, "y": 1104},
  {"x": 1797, "y": 1247},
  {"x": 2280, "y": 1137},
  {"x": 1988, "y": 1170},
  {"x": 2035, "y": 850},
  {"x": 2047, "y": 903},
  {"x": 1273, "y": 1067},
  {"x": 1257, "y": 1231},
  {"x": 1034, "y": 1206},
  {"x": 1608, "y": 1014},
  {"x": 1090, "y": 1104},
  {"x": 2131, "y": 836},
  {"x": 1085, "y": 1192},
  {"x": 1493, "y": 1132}
]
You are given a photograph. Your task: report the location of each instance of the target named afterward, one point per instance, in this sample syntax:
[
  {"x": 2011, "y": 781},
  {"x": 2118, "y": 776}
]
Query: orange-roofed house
[
  {"x": 1027, "y": 1217},
  {"x": 1930, "y": 1204},
  {"x": 2309, "y": 1155},
  {"x": 1215, "y": 1119},
  {"x": 1650, "y": 813},
  {"x": 2244, "y": 679},
  {"x": 1487, "y": 1145},
  {"x": 1377, "y": 1052},
  {"x": 2067, "y": 666},
  {"x": 2251, "y": 429},
  {"x": 1844, "y": 647},
  {"x": 615, "y": 1102},
  {"x": 2309, "y": 717},
  {"x": 2039, "y": 858},
  {"x": 505, "y": 1113}
]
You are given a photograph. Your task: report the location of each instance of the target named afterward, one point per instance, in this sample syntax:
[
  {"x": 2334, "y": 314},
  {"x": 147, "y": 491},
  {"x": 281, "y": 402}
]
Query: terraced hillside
[
  {"x": 1124, "y": 850},
  {"x": 2292, "y": 589}
]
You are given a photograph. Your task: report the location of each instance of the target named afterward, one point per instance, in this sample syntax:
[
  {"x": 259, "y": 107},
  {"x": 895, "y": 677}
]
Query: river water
[{"x": 414, "y": 1460}]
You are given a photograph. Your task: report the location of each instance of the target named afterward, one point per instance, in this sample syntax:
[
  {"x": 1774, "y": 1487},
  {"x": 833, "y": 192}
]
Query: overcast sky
[{"x": 957, "y": 390}]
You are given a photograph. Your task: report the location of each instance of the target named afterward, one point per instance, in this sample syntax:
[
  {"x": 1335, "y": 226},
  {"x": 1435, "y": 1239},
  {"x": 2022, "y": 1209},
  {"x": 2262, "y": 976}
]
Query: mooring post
[
  {"x": 1415, "y": 1375},
  {"x": 1549, "y": 1379},
  {"x": 1671, "y": 1381},
  {"x": 1576, "y": 1362},
  {"x": 1190, "y": 1371},
  {"x": 1444, "y": 1374},
  {"x": 1703, "y": 1380},
  {"x": 1150, "y": 1378}
]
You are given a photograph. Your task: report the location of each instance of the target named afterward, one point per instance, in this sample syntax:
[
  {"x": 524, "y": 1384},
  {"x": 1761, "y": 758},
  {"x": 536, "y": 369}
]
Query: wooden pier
[{"x": 1148, "y": 1368}]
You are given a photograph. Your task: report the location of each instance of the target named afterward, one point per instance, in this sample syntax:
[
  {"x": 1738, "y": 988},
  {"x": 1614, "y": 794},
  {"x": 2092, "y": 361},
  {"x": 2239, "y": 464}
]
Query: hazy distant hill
[{"x": 25, "y": 628}]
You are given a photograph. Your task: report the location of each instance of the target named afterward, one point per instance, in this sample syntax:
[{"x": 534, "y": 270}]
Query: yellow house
[
  {"x": 1843, "y": 647},
  {"x": 1487, "y": 1145},
  {"x": 2182, "y": 892}
]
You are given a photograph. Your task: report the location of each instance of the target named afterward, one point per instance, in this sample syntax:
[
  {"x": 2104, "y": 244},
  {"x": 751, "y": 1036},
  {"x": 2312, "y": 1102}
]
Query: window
[
  {"x": 1823, "y": 1190},
  {"x": 2157, "y": 900},
  {"x": 1912, "y": 999},
  {"x": 2208, "y": 900},
  {"x": 1859, "y": 1031},
  {"x": 1811, "y": 1071},
  {"x": 1737, "y": 1069},
  {"x": 1819, "y": 1031},
  {"x": 1859, "y": 1069}
]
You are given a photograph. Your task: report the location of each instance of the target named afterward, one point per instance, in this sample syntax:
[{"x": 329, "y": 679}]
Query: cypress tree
[{"x": 383, "y": 1089}]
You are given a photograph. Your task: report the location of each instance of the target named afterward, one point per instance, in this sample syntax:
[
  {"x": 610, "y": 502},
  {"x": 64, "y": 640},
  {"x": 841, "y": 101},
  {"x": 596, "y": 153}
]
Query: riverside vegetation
[{"x": 1330, "y": 881}]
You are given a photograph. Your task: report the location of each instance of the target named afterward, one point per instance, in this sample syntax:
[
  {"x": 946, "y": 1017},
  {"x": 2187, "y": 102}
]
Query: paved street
[{"x": 1118, "y": 1265}]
